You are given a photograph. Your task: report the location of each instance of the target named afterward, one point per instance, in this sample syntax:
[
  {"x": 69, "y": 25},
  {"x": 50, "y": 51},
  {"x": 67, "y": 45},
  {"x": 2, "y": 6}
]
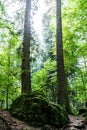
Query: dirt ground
[
  {"x": 7, "y": 122},
  {"x": 76, "y": 123}
]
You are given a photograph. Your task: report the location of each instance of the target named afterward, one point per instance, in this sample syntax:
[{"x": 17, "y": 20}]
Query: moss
[
  {"x": 35, "y": 109},
  {"x": 46, "y": 127}
]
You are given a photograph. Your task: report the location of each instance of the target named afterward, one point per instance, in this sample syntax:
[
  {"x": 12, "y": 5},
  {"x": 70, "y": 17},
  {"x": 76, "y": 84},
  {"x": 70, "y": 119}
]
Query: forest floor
[
  {"x": 7, "y": 122},
  {"x": 76, "y": 123}
]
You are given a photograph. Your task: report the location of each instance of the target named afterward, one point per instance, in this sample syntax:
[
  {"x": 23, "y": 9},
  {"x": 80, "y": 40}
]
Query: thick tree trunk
[
  {"x": 26, "y": 78},
  {"x": 62, "y": 91}
]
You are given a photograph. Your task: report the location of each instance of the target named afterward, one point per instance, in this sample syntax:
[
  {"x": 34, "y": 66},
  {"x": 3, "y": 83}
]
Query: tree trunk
[
  {"x": 61, "y": 78},
  {"x": 26, "y": 78}
]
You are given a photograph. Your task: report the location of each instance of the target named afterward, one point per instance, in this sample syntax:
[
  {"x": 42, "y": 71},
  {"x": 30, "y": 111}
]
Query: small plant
[{"x": 26, "y": 129}]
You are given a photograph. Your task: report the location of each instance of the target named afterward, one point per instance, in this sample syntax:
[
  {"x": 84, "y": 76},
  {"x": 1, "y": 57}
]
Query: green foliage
[
  {"x": 9, "y": 61},
  {"x": 40, "y": 77},
  {"x": 74, "y": 31},
  {"x": 2, "y": 8},
  {"x": 46, "y": 79},
  {"x": 75, "y": 54},
  {"x": 74, "y": 19},
  {"x": 35, "y": 109}
]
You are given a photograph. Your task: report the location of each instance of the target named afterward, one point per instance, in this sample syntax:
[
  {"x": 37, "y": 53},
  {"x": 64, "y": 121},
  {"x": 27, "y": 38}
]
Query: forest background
[{"x": 43, "y": 49}]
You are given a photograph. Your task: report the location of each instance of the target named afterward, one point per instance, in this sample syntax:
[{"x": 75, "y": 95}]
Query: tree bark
[
  {"x": 61, "y": 78},
  {"x": 26, "y": 78}
]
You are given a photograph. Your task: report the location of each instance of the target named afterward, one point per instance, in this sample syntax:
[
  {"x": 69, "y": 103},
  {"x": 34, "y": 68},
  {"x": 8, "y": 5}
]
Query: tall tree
[
  {"x": 26, "y": 78},
  {"x": 61, "y": 78}
]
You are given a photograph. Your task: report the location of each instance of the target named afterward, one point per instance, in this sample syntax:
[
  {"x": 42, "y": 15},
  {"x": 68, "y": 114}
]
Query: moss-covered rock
[
  {"x": 46, "y": 127},
  {"x": 35, "y": 109}
]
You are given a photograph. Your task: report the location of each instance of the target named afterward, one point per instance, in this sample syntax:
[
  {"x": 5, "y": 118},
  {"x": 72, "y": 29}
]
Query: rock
[
  {"x": 46, "y": 127},
  {"x": 83, "y": 110},
  {"x": 7, "y": 122},
  {"x": 82, "y": 126},
  {"x": 70, "y": 128},
  {"x": 35, "y": 109}
]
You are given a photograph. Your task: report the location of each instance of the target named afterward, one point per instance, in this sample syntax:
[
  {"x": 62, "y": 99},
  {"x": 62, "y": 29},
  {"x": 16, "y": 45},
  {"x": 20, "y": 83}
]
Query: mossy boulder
[{"x": 35, "y": 109}]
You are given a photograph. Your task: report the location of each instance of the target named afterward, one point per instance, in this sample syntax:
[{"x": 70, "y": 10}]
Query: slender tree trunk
[
  {"x": 26, "y": 78},
  {"x": 8, "y": 76},
  {"x": 61, "y": 78}
]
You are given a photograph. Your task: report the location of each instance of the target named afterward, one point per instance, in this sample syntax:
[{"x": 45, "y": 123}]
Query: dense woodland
[{"x": 43, "y": 46}]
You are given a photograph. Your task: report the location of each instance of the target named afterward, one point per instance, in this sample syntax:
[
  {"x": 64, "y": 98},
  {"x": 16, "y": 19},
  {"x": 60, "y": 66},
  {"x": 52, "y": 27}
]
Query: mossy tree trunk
[
  {"x": 26, "y": 78},
  {"x": 61, "y": 77}
]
